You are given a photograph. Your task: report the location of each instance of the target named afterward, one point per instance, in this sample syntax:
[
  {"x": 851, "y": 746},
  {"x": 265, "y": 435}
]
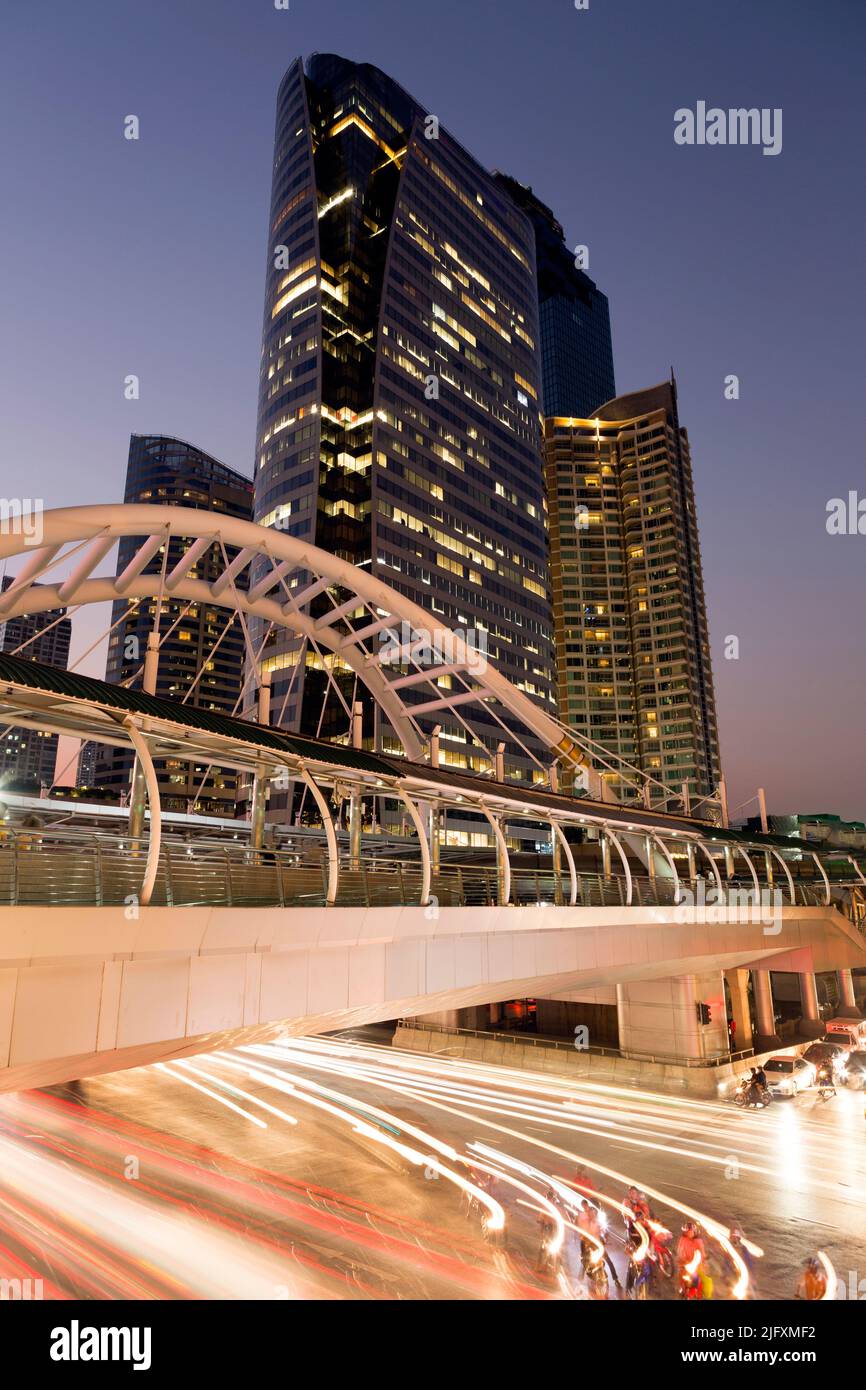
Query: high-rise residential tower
[
  {"x": 28, "y": 756},
  {"x": 168, "y": 472},
  {"x": 399, "y": 406},
  {"x": 634, "y": 669},
  {"x": 574, "y": 317}
]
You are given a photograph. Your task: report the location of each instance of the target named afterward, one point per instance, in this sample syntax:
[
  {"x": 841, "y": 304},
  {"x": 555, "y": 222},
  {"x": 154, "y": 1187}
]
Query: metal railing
[
  {"x": 76, "y": 866},
  {"x": 713, "y": 1059}
]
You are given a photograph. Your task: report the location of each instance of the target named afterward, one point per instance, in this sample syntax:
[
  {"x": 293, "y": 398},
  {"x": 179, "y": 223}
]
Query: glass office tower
[
  {"x": 574, "y": 317},
  {"x": 399, "y": 407},
  {"x": 169, "y": 472},
  {"x": 634, "y": 669},
  {"x": 28, "y": 756}
]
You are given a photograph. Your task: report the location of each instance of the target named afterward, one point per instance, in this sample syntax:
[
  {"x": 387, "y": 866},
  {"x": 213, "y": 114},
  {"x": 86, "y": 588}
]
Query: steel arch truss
[{"x": 390, "y": 643}]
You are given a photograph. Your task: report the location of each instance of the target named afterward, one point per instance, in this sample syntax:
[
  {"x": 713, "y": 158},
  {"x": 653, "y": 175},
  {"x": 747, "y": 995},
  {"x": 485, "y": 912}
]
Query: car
[
  {"x": 854, "y": 1069},
  {"x": 787, "y": 1075},
  {"x": 850, "y": 1031},
  {"x": 818, "y": 1053}
]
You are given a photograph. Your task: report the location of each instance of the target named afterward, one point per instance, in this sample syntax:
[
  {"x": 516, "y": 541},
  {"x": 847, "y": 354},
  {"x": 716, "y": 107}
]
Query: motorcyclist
[
  {"x": 591, "y": 1232},
  {"x": 812, "y": 1284},
  {"x": 636, "y": 1209},
  {"x": 547, "y": 1260},
  {"x": 825, "y": 1079},
  {"x": 691, "y": 1252}
]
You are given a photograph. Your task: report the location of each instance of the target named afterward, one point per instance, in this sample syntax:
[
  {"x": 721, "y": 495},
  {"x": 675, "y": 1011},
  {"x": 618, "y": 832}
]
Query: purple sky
[{"x": 148, "y": 258}]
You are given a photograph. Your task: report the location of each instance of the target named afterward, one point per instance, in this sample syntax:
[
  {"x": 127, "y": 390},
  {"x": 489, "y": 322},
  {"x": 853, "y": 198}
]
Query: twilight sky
[{"x": 148, "y": 258}]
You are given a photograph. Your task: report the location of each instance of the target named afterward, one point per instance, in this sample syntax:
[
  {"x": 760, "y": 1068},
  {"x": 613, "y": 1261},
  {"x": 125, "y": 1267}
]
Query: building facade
[
  {"x": 28, "y": 756},
  {"x": 634, "y": 669},
  {"x": 169, "y": 472},
  {"x": 574, "y": 317},
  {"x": 399, "y": 408}
]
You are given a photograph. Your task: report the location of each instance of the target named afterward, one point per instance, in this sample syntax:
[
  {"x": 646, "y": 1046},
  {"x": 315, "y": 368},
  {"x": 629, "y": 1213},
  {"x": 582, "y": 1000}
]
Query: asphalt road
[{"x": 334, "y": 1169}]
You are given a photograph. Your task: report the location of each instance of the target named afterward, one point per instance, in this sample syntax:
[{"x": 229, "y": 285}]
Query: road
[{"x": 331, "y": 1168}]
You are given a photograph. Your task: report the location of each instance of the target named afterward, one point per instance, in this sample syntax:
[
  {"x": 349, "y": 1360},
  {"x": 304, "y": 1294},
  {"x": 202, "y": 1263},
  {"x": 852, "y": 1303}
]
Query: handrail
[{"x": 66, "y": 866}]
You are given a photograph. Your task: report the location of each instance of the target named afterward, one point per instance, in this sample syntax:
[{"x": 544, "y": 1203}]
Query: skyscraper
[
  {"x": 574, "y": 317},
  {"x": 28, "y": 756},
  {"x": 399, "y": 405},
  {"x": 167, "y": 471},
  {"x": 634, "y": 669}
]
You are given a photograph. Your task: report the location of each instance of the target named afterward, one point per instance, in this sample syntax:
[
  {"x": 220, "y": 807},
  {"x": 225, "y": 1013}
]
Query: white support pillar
[
  {"x": 765, "y": 1015},
  {"x": 499, "y": 763},
  {"x": 434, "y": 832},
  {"x": 810, "y": 1022},
  {"x": 355, "y": 802},
  {"x": 762, "y": 807},
  {"x": 847, "y": 998},
  {"x": 330, "y": 837},
  {"x": 723, "y": 798}
]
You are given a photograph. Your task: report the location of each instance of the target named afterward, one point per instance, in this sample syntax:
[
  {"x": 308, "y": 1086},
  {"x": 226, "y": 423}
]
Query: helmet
[
  {"x": 690, "y": 1228},
  {"x": 813, "y": 1264},
  {"x": 633, "y": 1193}
]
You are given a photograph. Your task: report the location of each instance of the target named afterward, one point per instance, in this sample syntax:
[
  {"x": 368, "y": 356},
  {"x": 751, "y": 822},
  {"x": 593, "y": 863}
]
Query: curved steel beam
[
  {"x": 501, "y": 850},
  {"x": 715, "y": 868},
  {"x": 739, "y": 850},
  {"x": 828, "y": 896},
  {"x": 669, "y": 857},
  {"x": 72, "y": 524},
  {"x": 424, "y": 847},
  {"x": 572, "y": 871},
  {"x": 330, "y": 836},
  {"x": 139, "y": 743},
  {"x": 776, "y": 855},
  {"x": 625, "y": 864}
]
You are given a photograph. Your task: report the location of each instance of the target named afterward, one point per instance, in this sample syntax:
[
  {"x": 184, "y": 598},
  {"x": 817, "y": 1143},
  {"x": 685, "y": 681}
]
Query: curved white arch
[
  {"x": 657, "y": 839},
  {"x": 791, "y": 891},
  {"x": 625, "y": 864},
  {"x": 423, "y": 845},
  {"x": 93, "y": 528},
  {"x": 738, "y": 849},
  {"x": 501, "y": 852},
  {"x": 330, "y": 837},
  {"x": 572, "y": 870},
  {"x": 715, "y": 868}
]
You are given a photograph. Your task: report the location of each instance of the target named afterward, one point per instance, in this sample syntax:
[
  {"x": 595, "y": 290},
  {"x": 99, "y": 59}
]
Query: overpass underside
[{"x": 88, "y": 990}]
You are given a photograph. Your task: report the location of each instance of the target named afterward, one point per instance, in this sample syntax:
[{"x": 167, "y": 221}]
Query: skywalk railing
[{"x": 68, "y": 867}]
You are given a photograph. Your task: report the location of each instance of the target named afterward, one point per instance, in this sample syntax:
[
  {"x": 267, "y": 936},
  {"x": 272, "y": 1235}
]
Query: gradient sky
[{"x": 148, "y": 258}]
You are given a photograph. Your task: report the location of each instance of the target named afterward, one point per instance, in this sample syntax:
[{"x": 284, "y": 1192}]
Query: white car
[{"x": 786, "y": 1076}]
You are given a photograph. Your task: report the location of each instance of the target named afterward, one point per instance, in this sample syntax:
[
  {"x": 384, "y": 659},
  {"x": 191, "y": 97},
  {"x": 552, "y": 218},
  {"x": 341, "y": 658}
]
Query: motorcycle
[
  {"x": 745, "y": 1094},
  {"x": 639, "y": 1275},
  {"x": 691, "y": 1284}
]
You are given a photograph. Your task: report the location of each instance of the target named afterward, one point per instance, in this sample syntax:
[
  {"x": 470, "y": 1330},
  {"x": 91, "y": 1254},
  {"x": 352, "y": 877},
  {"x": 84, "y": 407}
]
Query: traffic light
[{"x": 704, "y": 1015}]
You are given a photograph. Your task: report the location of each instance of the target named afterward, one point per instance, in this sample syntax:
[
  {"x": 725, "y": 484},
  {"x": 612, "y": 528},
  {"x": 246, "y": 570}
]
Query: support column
[
  {"x": 434, "y": 831},
  {"x": 661, "y": 1018},
  {"x": 355, "y": 803},
  {"x": 738, "y": 984},
  {"x": 605, "y": 853},
  {"x": 766, "y": 1037},
  {"x": 260, "y": 782},
  {"x": 847, "y": 999},
  {"x": 810, "y": 1022}
]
